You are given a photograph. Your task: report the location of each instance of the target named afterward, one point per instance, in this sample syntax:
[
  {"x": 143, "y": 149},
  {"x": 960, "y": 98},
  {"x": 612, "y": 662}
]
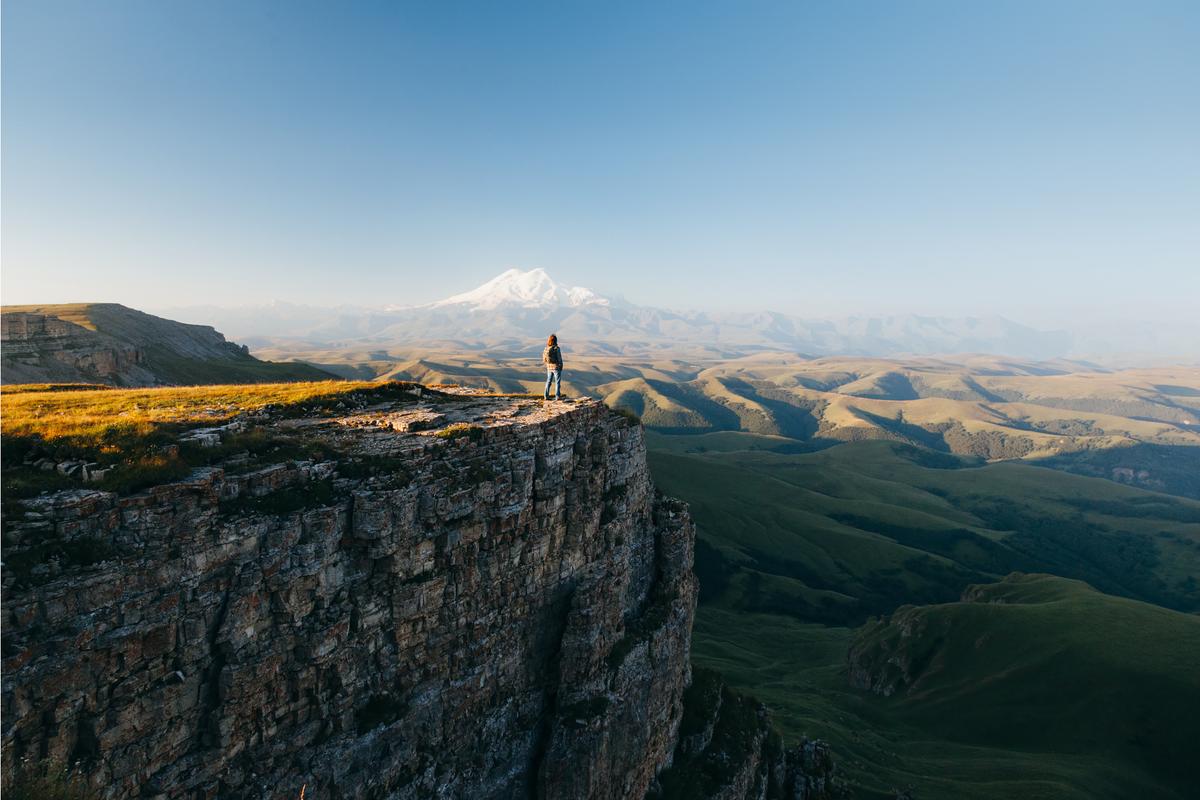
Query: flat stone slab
[{"x": 465, "y": 407}]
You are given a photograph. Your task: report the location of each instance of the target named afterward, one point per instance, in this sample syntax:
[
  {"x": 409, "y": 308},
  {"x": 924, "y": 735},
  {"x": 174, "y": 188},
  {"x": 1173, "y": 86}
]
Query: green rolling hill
[
  {"x": 856, "y": 530},
  {"x": 1128, "y": 688},
  {"x": 1041, "y": 664},
  {"x": 798, "y": 553},
  {"x": 1139, "y": 426}
]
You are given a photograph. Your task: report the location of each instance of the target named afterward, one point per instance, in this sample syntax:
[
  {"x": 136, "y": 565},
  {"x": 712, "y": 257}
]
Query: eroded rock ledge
[
  {"x": 480, "y": 598},
  {"x": 728, "y": 749}
]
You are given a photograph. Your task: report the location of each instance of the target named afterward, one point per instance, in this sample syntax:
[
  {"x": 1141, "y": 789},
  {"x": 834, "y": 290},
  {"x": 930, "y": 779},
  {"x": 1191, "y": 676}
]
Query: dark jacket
[{"x": 552, "y": 357}]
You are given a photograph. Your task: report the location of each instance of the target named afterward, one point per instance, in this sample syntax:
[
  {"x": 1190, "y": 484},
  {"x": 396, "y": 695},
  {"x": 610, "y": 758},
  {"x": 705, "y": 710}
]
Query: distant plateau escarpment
[{"x": 107, "y": 343}]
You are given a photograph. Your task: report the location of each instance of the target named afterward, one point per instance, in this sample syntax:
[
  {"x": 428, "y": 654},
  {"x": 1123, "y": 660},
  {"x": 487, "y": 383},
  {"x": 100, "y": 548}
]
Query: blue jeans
[{"x": 553, "y": 376}]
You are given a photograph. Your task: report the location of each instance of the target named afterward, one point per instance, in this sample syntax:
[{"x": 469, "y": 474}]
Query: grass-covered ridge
[
  {"x": 93, "y": 417},
  {"x": 796, "y": 549},
  {"x": 138, "y": 430},
  {"x": 859, "y": 529},
  {"x": 799, "y": 671},
  {"x": 1071, "y": 670}
]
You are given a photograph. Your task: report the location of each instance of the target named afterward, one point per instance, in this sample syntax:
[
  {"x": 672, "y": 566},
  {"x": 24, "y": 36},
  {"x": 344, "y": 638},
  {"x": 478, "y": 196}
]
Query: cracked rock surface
[{"x": 477, "y": 597}]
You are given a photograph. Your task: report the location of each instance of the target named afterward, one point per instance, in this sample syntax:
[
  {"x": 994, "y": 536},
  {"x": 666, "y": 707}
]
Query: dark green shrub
[
  {"x": 373, "y": 466},
  {"x": 284, "y": 501},
  {"x": 380, "y": 709},
  {"x": 46, "y": 781},
  {"x": 459, "y": 431},
  {"x": 629, "y": 414}
]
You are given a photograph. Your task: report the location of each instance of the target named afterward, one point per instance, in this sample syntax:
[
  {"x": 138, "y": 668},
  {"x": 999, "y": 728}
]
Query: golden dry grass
[
  {"x": 77, "y": 313},
  {"x": 26, "y": 388},
  {"x": 91, "y": 416}
]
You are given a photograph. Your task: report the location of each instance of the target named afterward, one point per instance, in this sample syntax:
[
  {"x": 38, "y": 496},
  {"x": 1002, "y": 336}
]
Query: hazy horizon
[
  {"x": 1081, "y": 321},
  {"x": 1036, "y": 163}
]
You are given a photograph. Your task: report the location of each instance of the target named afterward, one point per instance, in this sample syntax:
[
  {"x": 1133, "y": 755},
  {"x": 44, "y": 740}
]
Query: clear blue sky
[{"x": 1037, "y": 159}]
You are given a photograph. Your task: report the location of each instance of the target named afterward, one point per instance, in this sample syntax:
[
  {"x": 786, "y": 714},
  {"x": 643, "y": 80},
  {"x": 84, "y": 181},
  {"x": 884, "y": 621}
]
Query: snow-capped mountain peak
[{"x": 524, "y": 289}]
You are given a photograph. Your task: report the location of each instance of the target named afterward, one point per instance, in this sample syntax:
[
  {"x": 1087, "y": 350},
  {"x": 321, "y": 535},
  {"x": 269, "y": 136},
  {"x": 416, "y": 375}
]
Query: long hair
[{"x": 552, "y": 341}]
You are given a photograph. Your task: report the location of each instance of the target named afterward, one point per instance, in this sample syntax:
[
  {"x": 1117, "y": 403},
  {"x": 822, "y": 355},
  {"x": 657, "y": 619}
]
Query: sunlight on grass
[
  {"x": 95, "y": 416},
  {"x": 138, "y": 430}
]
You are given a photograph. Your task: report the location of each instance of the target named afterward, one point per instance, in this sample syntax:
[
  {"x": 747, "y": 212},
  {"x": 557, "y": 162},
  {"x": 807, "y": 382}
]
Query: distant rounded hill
[
  {"x": 1039, "y": 663},
  {"x": 108, "y": 343}
]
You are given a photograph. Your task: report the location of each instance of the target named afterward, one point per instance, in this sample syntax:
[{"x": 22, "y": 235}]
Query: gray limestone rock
[{"x": 501, "y": 614}]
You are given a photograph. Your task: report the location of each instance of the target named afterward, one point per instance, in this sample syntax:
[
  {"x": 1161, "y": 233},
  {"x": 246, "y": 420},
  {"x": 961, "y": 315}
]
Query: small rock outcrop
[
  {"x": 889, "y": 655},
  {"x": 728, "y": 750},
  {"x": 497, "y": 607}
]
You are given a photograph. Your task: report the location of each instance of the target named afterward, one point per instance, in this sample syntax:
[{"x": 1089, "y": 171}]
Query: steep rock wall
[
  {"x": 41, "y": 348},
  {"x": 505, "y": 613},
  {"x": 111, "y": 344}
]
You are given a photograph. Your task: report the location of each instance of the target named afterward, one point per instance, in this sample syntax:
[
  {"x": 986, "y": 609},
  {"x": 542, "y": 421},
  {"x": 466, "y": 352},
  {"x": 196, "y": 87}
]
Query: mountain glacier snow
[{"x": 519, "y": 308}]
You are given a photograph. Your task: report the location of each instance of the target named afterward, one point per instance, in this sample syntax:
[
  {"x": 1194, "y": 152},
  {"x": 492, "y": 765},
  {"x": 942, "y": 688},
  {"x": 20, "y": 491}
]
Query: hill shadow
[{"x": 1173, "y": 469}]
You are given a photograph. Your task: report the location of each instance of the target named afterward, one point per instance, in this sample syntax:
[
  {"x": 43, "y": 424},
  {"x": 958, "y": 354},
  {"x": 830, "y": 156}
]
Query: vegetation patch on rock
[
  {"x": 314, "y": 494},
  {"x": 460, "y": 430},
  {"x": 125, "y": 440}
]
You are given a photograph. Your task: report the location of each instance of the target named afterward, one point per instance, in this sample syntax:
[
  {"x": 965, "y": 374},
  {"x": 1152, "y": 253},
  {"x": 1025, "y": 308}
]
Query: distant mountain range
[
  {"x": 517, "y": 289},
  {"x": 519, "y": 308}
]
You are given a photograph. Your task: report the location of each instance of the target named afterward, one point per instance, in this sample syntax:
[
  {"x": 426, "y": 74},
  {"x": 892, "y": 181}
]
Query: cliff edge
[{"x": 459, "y": 596}]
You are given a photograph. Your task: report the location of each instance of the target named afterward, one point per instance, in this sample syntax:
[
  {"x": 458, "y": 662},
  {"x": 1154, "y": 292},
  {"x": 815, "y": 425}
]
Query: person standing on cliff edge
[{"x": 552, "y": 359}]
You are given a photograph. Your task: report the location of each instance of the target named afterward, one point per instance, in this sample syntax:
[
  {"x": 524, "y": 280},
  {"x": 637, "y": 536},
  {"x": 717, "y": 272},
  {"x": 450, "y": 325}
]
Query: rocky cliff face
[
  {"x": 728, "y": 750},
  {"x": 498, "y": 605},
  {"x": 110, "y": 344},
  {"x": 41, "y": 348}
]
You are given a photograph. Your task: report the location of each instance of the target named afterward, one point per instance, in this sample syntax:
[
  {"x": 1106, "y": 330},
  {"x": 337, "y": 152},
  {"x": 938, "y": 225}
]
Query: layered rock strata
[
  {"x": 108, "y": 343},
  {"x": 41, "y": 347},
  {"x": 500, "y": 607}
]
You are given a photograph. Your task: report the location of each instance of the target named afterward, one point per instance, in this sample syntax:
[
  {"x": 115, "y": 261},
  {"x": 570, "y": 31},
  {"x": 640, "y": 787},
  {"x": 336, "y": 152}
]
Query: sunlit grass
[
  {"x": 138, "y": 430},
  {"x": 1071, "y": 700},
  {"x": 91, "y": 417}
]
